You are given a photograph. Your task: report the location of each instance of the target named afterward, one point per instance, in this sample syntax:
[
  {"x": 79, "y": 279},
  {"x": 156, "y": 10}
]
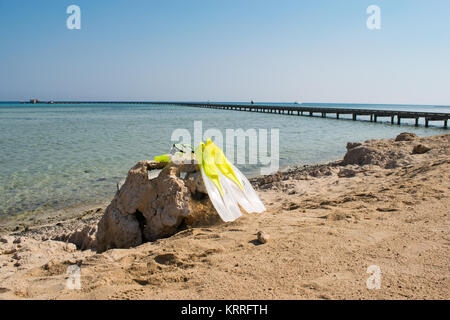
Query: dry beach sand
[{"x": 383, "y": 205}]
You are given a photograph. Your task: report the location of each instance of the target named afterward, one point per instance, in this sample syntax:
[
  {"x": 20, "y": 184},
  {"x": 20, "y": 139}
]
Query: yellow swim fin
[{"x": 227, "y": 187}]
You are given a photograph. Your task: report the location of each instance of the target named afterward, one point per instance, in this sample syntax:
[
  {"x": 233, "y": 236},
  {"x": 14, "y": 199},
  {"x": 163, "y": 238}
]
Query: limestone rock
[
  {"x": 145, "y": 209},
  {"x": 116, "y": 230},
  {"x": 135, "y": 188},
  {"x": 194, "y": 182},
  {"x": 167, "y": 206}
]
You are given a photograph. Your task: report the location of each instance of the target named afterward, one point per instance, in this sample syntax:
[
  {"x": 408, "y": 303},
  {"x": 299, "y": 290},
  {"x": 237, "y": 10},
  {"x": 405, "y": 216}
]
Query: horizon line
[{"x": 214, "y": 102}]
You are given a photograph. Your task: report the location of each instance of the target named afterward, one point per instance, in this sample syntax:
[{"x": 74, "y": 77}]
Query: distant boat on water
[{"x": 35, "y": 101}]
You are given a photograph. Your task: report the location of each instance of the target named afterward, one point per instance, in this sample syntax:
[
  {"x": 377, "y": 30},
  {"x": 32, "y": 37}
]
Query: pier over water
[{"x": 395, "y": 116}]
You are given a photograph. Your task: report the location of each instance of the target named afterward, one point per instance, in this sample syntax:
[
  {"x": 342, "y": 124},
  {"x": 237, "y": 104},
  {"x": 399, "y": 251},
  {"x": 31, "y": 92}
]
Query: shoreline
[
  {"x": 23, "y": 221},
  {"x": 386, "y": 203}
]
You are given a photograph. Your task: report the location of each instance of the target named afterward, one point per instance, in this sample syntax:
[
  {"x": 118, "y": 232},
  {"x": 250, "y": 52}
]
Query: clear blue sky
[{"x": 226, "y": 50}]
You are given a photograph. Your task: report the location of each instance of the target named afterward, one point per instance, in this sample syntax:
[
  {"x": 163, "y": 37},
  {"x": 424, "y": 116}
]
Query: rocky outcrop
[
  {"x": 368, "y": 155},
  {"x": 406, "y": 136},
  {"x": 116, "y": 230},
  {"x": 83, "y": 238},
  {"x": 146, "y": 209},
  {"x": 384, "y": 153}
]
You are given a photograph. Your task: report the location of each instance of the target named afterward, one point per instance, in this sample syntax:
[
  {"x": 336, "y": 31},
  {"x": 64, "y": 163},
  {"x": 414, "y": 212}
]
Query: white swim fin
[{"x": 227, "y": 187}]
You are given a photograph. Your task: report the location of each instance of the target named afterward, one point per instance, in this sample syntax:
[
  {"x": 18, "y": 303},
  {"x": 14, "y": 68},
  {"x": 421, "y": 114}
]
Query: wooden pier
[{"x": 394, "y": 115}]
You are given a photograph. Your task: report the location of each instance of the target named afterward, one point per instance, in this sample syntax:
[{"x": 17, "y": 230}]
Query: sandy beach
[{"x": 386, "y": 204}]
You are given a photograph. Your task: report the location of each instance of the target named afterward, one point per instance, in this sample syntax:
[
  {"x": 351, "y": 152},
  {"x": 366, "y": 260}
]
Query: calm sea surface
[{"x": 55, "y": 156}]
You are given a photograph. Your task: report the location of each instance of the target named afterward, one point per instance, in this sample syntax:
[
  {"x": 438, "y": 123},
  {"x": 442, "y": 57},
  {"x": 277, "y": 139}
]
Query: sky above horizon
[{"x": 234, "y": 50}]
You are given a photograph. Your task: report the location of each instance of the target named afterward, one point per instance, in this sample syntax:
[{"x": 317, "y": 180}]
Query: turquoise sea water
[{"x": 54, "y": 156}]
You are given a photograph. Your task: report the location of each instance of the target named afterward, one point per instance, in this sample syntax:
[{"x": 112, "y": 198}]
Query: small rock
[
  {"x": 9, "y": 250},
  {"x": 263, "y": 237},
  {"x": 420, "y": 149},
  {"x": 266, "y": 186},
  {"x": 5, "y": 239},
  {"x": 16, "y": 256},
  {"x": 70, "y": 247},
  {"x": 291, "y": 206},
  {"x": 346, "y": 173},
  {"x": 406, "y": 136},
  {"x": 351, "y": 145},
  {"x": 17, "y": 240}
]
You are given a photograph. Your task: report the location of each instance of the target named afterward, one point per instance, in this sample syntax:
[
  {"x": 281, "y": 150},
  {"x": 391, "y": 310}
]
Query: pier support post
[
  {"x": 371, "y": 117},
  {"x": 392, "y": 119},
  {"x": 323, "y": 114},
  {"x": 445, "y": 123},
  {"x": 354, "y": 117},
  {"x": 426, "y": 122},
  {"x": 417, "y": 122},
  {"x": 310, "y": 113},
  {"x": 337, "y": 115},
  {"x": 398, "y": 120},
  {"x": 375, "y": 118}
]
